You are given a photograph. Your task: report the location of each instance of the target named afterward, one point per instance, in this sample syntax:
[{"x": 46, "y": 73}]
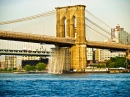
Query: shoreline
[
  {"x": 31, "y": 72},
  {"x": 45, "y": 71}
]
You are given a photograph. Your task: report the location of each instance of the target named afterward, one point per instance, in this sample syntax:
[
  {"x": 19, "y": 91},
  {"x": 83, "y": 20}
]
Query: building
[
  {"x": 102, "y": 55},
  {"x": 30, "y": 58},
  {"x": 118, "y": 35},
  {"x": 10, "y": 62},
  {"x": 98, "y": 55},
  {"x": 34, "y": 61},
  {"x": 128, "y": 39},
  {"x": 2, "y": 64},
  {"x": 89, "y": 54}
]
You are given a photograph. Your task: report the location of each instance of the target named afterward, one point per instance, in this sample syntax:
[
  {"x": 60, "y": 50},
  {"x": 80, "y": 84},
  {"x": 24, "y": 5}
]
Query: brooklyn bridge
[{"x": 70, "y": 39}]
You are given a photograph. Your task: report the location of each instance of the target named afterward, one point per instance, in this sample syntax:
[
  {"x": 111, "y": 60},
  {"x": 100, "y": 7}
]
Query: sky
[{"x": 112, "y": 12}]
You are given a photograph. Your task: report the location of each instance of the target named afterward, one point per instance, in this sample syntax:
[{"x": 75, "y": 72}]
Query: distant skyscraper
[{"x": 119, "y": 35}]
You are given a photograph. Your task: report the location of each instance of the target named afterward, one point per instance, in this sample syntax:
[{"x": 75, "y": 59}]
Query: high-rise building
[
  {"x": 98, "y": 55},
  {"x": 104, "y": 55},
  {"x": 118, "y": 35},
  {"x": 10, "y": 62}
]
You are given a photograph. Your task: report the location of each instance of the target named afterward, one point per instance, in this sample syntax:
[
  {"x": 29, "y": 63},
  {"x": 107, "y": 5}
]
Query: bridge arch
[
  {"x": 75, "y": 25},
  {"x": 64, "y": 23}
]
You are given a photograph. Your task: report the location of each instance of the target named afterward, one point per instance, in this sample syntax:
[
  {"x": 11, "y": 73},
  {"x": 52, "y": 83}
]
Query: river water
[{"x": 66, "y": 85}]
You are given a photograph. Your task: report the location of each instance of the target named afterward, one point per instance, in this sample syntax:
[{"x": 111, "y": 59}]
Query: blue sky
[{"x": 112, "y": 12}]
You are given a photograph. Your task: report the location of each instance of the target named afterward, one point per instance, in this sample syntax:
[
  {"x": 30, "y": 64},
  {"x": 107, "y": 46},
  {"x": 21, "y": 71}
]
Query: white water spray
[{"x": 60, "y": 61}]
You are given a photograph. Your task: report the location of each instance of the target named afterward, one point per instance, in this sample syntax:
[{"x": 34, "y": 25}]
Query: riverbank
[
  {"x": 6, "y": 71},
  {"x": 96, "y": 70},
  {"x": 86, "y": 71},
  {"x": 30, "y": 72},
  {"x": 119, "y": 71}
]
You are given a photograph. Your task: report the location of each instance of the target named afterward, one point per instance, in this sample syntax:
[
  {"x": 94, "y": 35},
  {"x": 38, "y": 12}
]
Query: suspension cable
[
  {"x": 98, "y": 26},
  {"x": 96, "y": 31},
  {"x": 29, "y": 18},
  {"x": 97, "y": 18}
]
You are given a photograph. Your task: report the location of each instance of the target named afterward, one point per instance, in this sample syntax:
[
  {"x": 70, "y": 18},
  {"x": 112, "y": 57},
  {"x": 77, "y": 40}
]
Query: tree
[
  {"x": 101, "y": 66},
  {"x": 116, "y": 62},
  {"x": 27, "y": 67},
  {"x": 33, "y": 68},
  {"x": 41, "y": 66},
  {"x": 14, "y": 68}
]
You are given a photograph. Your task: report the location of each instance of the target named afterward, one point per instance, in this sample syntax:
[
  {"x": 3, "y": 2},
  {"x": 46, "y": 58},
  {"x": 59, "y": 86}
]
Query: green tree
[
  {"x": 103, "y": 65},
  {"x": 27, "y": 67},
  {"x": 108, "y": 63},
  {"x": 33, "y": 68},
  {"x": 14, "y": 68},
  {"x": 111, "y": 64},
  {"x": 98, "y": 66},
  {"x": 5, "y": 69},
  {"x": 41, "y": 66},
  {"x": 116, "y": 62}
]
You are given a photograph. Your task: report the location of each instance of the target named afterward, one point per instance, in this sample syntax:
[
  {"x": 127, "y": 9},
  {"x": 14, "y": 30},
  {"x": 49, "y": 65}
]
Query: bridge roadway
[
  {"x": 27, "y": 37},
  {"x": 25, "y": 52}
]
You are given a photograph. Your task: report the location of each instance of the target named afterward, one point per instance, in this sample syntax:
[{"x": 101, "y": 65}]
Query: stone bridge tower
[
  {"x": 71, "y": 24},
  {"x": 128, "y": 54}
]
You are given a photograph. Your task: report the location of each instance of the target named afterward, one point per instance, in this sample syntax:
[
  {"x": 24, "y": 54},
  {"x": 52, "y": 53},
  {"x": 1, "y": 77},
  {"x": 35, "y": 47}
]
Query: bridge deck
[
  {"x": 27, "y": 37},
  {"x": 107, "y": 45},
  {"x": 19, "y": 36}
]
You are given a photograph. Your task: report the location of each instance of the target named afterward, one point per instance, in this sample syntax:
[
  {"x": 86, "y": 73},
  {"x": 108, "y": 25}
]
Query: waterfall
[{"x": 60, "y": 61}]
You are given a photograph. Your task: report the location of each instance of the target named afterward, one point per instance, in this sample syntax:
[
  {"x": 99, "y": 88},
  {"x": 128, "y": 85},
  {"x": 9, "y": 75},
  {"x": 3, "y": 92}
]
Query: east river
[{"x": 66, "y": 85}]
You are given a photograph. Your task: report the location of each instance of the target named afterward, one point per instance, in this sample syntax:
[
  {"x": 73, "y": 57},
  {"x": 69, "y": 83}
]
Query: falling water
[{"x": 60, "y": 61}]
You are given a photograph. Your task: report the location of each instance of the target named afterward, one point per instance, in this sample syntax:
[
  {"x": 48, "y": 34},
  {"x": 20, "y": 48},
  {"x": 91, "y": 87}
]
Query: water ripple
[{"x": 70, "y": 85}]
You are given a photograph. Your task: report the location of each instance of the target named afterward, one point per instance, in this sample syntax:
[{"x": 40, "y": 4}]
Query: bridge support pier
[
  {"x": 78, "y": 57},
  {"x": 128, "y": 54}
]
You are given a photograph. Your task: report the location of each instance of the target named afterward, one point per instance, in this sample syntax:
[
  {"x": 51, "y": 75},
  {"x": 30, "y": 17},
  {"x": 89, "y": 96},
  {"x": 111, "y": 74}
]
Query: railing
[{"x": 25, "y": 52}]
